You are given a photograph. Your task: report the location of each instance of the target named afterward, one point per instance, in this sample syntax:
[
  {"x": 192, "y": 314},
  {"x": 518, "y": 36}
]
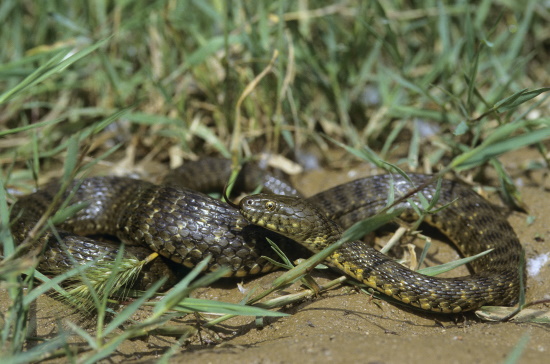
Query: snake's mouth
[
  {"x": 259, "y": 221},
  {"x": 250, "y": 211},
  {"x": 255, "y": 220},
  {"x": 258, "y": 218}
]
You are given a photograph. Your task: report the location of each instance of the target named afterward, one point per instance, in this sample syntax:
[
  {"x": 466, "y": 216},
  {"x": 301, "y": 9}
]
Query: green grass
[{"x": 438, "y": 88}]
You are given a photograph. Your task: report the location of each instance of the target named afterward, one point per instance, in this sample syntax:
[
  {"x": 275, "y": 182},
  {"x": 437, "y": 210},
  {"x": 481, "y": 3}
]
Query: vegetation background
[{"x": 136, "y": 87}]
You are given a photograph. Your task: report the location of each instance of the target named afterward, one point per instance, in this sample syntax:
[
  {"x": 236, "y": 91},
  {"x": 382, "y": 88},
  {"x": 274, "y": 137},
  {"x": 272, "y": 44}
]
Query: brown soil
[{"x": 346, "y": 326}]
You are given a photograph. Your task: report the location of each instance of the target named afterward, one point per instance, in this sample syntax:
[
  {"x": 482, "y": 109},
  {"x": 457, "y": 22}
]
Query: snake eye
[{"x": 270, "y": 205}]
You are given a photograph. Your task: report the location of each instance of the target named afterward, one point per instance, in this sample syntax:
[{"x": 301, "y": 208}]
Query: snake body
[
  {"x": 469, "y": 221},
  {"x": 185, "y": 226}
]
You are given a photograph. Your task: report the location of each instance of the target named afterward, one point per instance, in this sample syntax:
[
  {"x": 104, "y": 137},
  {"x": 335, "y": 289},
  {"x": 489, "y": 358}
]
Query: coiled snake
[{"x": 185, "y": 226}]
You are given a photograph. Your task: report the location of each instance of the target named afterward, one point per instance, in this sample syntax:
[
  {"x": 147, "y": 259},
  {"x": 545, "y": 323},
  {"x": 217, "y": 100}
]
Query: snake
[{"x": 185, "y": 226}]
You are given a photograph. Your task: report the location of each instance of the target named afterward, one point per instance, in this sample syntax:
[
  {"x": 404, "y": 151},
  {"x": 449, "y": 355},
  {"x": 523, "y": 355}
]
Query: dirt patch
[{"x": 346, "y": 326}]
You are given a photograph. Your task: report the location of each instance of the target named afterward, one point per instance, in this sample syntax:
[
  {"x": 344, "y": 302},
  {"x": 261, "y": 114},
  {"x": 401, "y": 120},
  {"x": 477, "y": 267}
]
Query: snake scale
[{"x": 185, "y": 226}]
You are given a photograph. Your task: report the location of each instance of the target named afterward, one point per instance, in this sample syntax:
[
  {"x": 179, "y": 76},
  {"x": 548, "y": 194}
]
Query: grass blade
[
  {"x": 442, "y": 268},
  {"x": 210, "y": 306}
]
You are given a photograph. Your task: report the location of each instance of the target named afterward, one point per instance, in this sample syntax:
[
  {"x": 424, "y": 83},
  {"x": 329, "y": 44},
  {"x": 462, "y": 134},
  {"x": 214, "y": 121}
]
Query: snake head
[{"x": 292, "y": 217}]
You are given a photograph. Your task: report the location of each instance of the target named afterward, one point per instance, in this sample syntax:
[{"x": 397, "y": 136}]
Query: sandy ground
[{"x": 344, "y": 326}]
